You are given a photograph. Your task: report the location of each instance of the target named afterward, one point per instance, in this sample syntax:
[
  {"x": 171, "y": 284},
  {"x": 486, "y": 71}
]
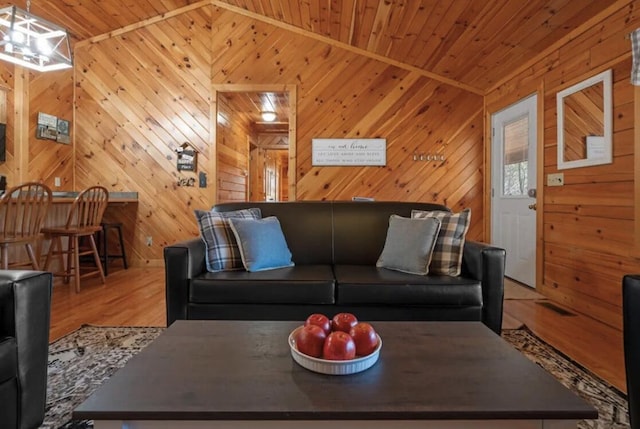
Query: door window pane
[{"x": 516, "y": 158}]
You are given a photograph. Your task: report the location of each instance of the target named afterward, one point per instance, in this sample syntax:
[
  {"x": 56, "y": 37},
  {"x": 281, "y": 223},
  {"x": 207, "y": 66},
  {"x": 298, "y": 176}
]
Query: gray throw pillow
[{"x": 409, "y": 244}]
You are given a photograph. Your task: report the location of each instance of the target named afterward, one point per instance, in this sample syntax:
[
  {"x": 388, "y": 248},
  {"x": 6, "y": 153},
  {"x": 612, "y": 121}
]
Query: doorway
[
  {"x": 255, "y": 142},
  {"x": 513, "y": 188}
]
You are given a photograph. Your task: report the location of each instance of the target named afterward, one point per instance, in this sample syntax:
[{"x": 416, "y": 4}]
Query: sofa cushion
[
  {"x": 302, "y": 284},
  {"x": 447, "y": 254},
  {"x": 8, "y": 359},
  {"x": 262, "y": 244},
  {"x": 222, "y": 251},
  {"x": 361, "y": 284},
  {"x": 409, "y": 245}
]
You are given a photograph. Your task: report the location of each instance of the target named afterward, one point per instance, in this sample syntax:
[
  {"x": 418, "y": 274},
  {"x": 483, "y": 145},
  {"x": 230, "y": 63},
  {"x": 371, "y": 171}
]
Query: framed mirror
[{"x": 585, "y": 123}]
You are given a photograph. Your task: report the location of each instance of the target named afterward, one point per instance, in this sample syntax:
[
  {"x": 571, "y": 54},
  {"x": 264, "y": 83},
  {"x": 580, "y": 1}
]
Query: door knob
[{"x": 533, "y": 206}]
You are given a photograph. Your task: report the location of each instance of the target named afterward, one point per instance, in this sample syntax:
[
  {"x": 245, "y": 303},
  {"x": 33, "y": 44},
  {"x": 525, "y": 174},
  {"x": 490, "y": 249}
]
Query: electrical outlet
[
  {"x": 556, "y": 179},
  {"x": 149, "y": 241},
  {"x": 56, "y": 182}
]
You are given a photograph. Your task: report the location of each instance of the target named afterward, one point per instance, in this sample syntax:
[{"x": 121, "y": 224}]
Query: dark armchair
[
  {"x": 631, "y": 326},
  {"x": 25, "y": 305}
]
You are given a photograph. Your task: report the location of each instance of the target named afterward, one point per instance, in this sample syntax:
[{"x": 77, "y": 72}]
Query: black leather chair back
[{"x": 631, "y": 325}]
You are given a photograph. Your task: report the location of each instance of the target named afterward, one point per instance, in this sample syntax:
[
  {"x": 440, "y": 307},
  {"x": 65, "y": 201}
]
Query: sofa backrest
[
  {"x": 306, "y": 225},
  {"x": 339, "y": 232},
  {"x": 360, "y": 228}
]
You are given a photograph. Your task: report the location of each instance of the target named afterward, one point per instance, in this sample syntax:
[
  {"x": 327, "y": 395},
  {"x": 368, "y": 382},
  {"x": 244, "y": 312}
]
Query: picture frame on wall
[
  {"x": 63, "y": 132},
  {"x": 47, "y": 127}
]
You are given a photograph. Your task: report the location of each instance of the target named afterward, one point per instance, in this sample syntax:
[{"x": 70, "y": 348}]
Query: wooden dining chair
[
  {"x": 83, "y": 220},
  {"x": 23, "y": 210}
]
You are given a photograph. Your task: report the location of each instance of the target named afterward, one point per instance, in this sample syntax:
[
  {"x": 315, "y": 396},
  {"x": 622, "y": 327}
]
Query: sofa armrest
[
  {"x": 486, "y": 263},
  {"x": 25, "y": 310},
  {"x": 182, "y": 262}
]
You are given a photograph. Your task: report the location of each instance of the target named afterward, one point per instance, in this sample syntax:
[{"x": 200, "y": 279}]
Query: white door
[{"x": 513, "y": 186}]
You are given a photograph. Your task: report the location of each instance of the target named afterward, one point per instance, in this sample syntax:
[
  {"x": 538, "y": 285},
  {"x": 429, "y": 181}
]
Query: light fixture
[
  {"x": 268, "y": 116},
  {"x": 33, "y": 42}
]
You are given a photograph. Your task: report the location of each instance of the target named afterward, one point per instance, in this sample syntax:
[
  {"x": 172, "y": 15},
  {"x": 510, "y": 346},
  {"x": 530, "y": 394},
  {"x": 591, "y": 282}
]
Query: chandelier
[{"x": 32, "y": 42}]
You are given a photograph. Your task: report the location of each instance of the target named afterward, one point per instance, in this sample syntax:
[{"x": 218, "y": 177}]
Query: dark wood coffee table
[{"x": 235, "y": 374}]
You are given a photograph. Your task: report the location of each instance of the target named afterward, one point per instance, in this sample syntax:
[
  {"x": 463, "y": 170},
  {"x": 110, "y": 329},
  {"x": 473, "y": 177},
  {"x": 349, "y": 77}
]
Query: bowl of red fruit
[{"x": 338, "y": 346}]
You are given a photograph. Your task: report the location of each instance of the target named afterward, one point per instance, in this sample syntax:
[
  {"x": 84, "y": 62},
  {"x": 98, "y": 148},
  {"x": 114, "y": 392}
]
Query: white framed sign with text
[{"x": 348, "y": 152}]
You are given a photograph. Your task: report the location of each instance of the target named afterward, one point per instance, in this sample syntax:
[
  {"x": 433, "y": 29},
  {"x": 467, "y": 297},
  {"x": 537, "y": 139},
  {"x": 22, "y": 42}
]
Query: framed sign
[
  {"x": 348, "y": 152},
  {"x": 53, "y": 128},
  {"x": 47, "y": 127},
  {"x": 63, "y": 131},
  {"x": 187, "y": 158}
]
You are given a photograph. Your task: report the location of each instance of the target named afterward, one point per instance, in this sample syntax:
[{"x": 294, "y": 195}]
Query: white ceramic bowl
[{"x": 333, "y": 367}]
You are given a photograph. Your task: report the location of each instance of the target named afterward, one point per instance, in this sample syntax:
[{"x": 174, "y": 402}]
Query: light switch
[{"x": 556, "y": 179}]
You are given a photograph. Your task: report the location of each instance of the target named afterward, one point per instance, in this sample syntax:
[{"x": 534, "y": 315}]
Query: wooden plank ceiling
[
  {"x": 252, "y": 104},
  {"x": 474, "y": 42}
]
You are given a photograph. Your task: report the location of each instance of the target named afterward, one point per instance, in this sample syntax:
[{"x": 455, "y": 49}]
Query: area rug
[{"x": 82, "y": 360}]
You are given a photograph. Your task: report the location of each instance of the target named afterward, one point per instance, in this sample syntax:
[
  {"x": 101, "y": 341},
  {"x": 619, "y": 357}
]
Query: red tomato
[
  {"x": 339, "y": 346},
  {"x": 310, "y": 340},
  {"x": 319, "y": 320},
  {"x": 343, "y": 322},
  {"x": 365, "y": 338}
]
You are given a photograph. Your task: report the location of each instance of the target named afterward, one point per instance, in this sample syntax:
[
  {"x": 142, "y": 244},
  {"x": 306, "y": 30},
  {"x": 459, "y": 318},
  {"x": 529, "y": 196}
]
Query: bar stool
[
  {"x": 83, "y": 220},
  {"x": 105, "y": 256}
]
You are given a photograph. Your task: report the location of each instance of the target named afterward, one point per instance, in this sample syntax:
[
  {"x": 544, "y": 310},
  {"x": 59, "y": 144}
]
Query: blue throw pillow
[
  {"x": 222, "y": 252},
  {"x": 262, "y": 244}
]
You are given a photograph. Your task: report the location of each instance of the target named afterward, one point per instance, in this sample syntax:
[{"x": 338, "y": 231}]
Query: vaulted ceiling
[{"x": 474, "y": 42}]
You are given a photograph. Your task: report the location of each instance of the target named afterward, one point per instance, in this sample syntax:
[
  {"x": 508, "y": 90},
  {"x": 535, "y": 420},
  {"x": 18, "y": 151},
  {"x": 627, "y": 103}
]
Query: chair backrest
[
  {"x": 631, "y": 332},
  {"x": 24, "y": 209},
  {"x": 88, "y": 208}
]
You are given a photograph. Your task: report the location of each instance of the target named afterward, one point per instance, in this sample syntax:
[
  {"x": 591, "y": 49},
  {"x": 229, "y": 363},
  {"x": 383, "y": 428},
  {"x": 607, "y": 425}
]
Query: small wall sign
[
  {"x": 53, "y": 128},
  {"x": 348, "y": 152},
  {"x": 187, "y": 158}
]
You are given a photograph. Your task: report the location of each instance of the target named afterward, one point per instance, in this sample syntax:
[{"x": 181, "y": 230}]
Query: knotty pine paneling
[
  {"x": 8, "y": 168},
  {"x": 588, "y": 222},
  {"x": 232, "y": 135},
  {"x": 51, "y": 93},
  {"x": 140, "y": 94}
]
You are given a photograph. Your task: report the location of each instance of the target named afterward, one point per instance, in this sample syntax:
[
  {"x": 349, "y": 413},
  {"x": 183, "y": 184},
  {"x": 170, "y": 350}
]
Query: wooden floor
[{"x": 135, "y": 297}]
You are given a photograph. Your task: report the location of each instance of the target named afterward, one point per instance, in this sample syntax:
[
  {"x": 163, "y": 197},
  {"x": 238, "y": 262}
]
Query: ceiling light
[
  {"x": 268, "y": 116},
  {"x": 33, "y": 42}
]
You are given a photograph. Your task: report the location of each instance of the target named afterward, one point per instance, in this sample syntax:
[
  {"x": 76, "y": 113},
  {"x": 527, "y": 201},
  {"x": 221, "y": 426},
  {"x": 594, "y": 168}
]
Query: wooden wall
[
  {"x": 51, "y": 93},
  {"x": 588, "y": 223},
  {"x": 28, "y": 158},
  {"x": 141, "y": 93},
  {"x": 139, "y": 96},
  {"x": 232, "y": 168}
]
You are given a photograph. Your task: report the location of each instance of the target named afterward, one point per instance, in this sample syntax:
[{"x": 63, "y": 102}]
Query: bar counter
[{"x": 60, "y": 197}]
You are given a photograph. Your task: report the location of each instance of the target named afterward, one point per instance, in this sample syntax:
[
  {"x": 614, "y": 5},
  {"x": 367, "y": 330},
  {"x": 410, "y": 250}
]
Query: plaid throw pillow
[
  {"x": 447, "y": 254},
  {"x": 223, "y": 253}
]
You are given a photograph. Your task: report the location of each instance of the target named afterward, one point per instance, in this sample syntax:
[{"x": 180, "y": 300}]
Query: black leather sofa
[
  {"x": 25, "y": 305},
  {"x": 335, "y": 246}
]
